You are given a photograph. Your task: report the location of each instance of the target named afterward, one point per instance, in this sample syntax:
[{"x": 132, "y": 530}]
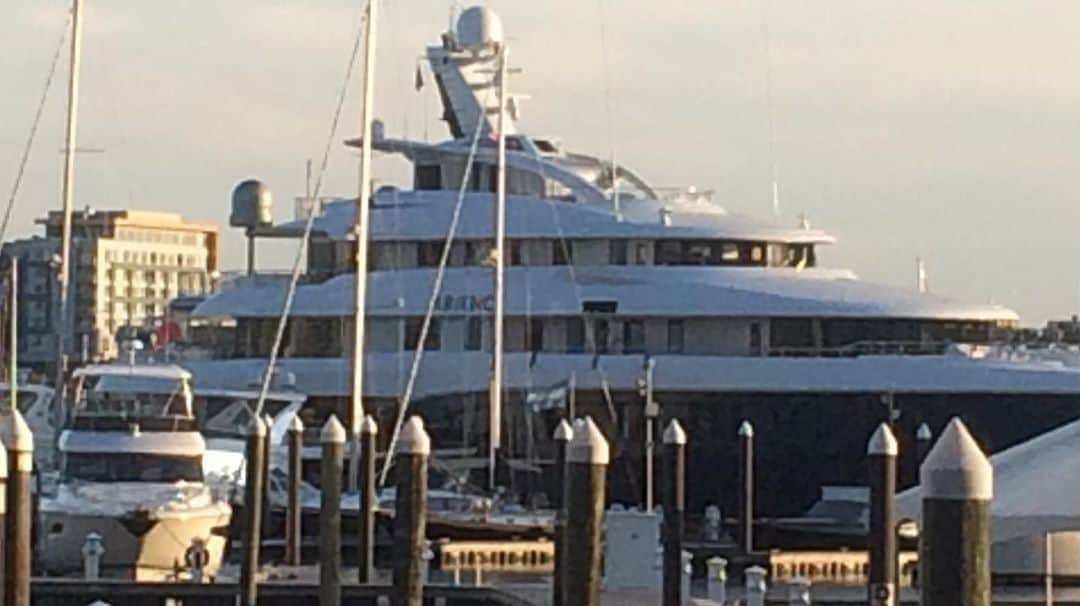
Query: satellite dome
[
  {"x": 251, "y": 205},
  {"x": 478, "y": 28}
]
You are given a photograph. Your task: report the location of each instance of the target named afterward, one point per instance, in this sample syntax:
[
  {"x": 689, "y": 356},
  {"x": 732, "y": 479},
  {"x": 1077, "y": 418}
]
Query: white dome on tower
[{"x": 479, "y": 28}]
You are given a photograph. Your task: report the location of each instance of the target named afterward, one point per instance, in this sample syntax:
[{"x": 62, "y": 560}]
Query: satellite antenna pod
[{"x": 252, "y": 207}]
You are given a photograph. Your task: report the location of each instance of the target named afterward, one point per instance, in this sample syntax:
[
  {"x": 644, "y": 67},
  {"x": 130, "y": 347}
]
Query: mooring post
[
  {"x": 957, "y": 487},
  {"x": 587, "y": 459},
  {"x": 294, "y": 437},
  {"x": 746, "y": 487},
  {"x": 92, "y": 550},
  {"x": 268, "y": 460},
  {"x": 410, "y": 513},
  {"x": 881, "y": 454},
  {"x": 253, "y": 502},
  {"x": 562, "y": 436},
  {"x": 716, "y": 582},
  {"x": 755, "y": 586},
  {"x": 365, "y": 549},
  {"x": 798, "y": 592},
  {"x": 20, "y": 464},
  {"x": 923, "y": 438},
  {"x": 674, "y": 501},
  {"x": 331, "y": 473}
]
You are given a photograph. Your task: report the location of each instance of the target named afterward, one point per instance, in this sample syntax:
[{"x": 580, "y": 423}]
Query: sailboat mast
[
  {"x": 62, "y": 323},
  {"x": 360, "y": 232},
  {"x": 495, "y": 412}
]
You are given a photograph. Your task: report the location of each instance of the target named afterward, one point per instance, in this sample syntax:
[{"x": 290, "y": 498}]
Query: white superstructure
[
  {"x": 131, "y": 473},
  {"x": 604, "y": 273}
]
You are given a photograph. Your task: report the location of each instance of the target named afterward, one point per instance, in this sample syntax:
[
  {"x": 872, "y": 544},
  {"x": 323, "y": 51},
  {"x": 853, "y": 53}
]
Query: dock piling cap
[
  {"x": 588, "y": 444},
  {"x": 923, "y": 433},
  {"x": 295, "y": 424},
  {"x": 956, "y": 468},
  {"x": 563, "y": 432},
  {"x": 257, "y": 427},
  {"x": 368, "y": 426},
  {"x": 16, "y": 433},
  {"x": 414, "y": 438},
  {"x": 746, "y": 430},
  {"x": 674, "y": 433},
  {"x": 883, "y": 442},
  {"x": 333, "y": 432}
]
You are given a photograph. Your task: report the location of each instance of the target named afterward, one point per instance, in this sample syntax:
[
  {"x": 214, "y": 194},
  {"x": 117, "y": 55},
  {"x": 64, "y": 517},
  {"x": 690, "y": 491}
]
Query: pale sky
[{"x": 949, "y": 130}]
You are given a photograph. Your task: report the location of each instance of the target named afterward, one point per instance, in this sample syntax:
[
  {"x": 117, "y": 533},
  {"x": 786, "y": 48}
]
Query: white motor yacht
[{"x": 131, "y": 471}]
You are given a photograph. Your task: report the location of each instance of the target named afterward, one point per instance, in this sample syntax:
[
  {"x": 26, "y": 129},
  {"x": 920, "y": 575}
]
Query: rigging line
[
  {"x": 414, "y": 370},
  {"x": 606, "y": 71},
  {"x": 33, "y": 129},
  {"x": 294, "y": 278}
]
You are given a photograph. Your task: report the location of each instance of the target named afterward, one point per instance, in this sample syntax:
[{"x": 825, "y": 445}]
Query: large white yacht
[
  {"x": 131, "y": 472},
  {"x": 612, "y": 282}
]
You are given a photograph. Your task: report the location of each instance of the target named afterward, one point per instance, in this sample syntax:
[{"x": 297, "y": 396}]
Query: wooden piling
[
  {"x": 17, "y": 547},
  {"x": 562, "y": 436},
  {"x": 674, "y": 501},
  {"x": 253, "y": 501},
  {"x": 957, "y": 487},
  {"x": 587, "y": 459},
  {"x": 331, "y": 474},
  {"x": 369, "y": 431},
  {"x": 294, "y": 438},
  {"x": 882, "y": 451},
  {"x": 3, "y": 522},
  {"x": 410, "y": 513},
  {"x": 268, "y": 449},
  {"x": 746, "y": 488}
]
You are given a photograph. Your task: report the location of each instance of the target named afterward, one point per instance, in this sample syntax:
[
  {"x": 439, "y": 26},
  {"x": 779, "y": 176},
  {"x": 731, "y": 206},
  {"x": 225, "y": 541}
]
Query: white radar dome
[{"x": 478, "y": 28}]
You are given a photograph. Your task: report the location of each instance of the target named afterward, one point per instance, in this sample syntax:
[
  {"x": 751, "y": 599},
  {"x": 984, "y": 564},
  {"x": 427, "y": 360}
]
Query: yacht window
[
  {"x": 545, "y": 146},
  {"x": 755, "y": 339},
  {"x": 757, "y": 253},
  {"x": 515, "y": 252},
  {"x": 730, "y": 252},
  {"x": 699, "y": 253},
  {"x": 795, "y": 333},
  {"x": 641, "y": 254},
  {"x": 617, "y": 252},
  {"x": 634, "y": 336},
  {"x": 560, "y": 253},
  {"x": 669, "y": 252},
  {"x": 478, "y": 252},
  {"x": 534, "y": 334},
  {"x": 603, "y": 307},
  {"x": 474, "y": 334},
  {"x": 130, "y": 467},
  {"x": 429, "y": 253},
  {"x": 675, "y": 336},
  {"x": 25, "y": 400},
  {"x": 321, "y": 256},
  {"x": 575, "y": 335},
  {"x": 428, "y": 177},
  {"x": 412, "y": 334},
  {"x": 600, "y": 335}
]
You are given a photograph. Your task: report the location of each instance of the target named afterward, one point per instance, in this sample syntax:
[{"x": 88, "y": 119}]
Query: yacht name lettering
[{"x": 466, "y": 303}]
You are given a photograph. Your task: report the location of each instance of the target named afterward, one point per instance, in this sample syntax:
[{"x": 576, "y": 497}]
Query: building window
[
  {"x": 675, "y": 342},
  {"x": 575, "y": 335},
  {"x": 412, "y": 334},
  {"x": 474, "y": 334},
  {"x": 634, "y": 336},
  {"x": 534, "y": 334}
]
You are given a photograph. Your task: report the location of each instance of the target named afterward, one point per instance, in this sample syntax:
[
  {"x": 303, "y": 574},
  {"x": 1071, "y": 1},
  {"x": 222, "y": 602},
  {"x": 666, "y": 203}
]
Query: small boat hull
[{"x": 142, "y": 546}]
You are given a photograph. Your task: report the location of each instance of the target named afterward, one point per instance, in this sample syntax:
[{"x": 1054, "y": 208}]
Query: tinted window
[{"x": 123, "y": 467}]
